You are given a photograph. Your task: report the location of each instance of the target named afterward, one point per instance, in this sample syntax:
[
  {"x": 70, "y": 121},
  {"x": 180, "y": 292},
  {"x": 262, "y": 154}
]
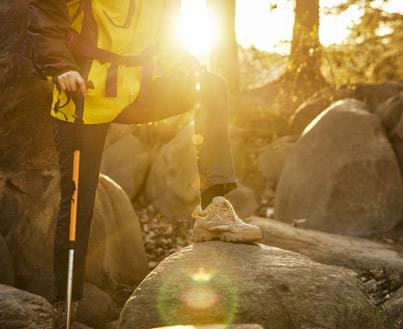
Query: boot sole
[{"x": 202, "y": 235}]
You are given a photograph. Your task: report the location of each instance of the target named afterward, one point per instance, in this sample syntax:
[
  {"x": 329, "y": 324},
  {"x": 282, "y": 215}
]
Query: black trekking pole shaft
[{"x": 77, "y": 143}]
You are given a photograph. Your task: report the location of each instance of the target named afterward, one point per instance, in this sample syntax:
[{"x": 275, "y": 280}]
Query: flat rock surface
[
  {"x": 21, "y": 309},
  {"x": 327, "y": 248},
  {"x": 216, "y": 282}
]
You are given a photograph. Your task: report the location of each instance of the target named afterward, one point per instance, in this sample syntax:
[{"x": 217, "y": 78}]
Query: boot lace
[{"x": 227, "y": 209}]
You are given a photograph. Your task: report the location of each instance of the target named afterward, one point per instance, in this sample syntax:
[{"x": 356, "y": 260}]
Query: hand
[{"x": 68, "y": 82}]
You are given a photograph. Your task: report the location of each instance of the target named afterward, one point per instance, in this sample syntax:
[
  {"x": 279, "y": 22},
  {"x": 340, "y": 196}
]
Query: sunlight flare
[{"x": 198, "y": 28}]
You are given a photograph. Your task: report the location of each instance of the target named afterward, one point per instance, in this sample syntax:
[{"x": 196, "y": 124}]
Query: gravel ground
[
  {"x": 380, "y": 284},
  {"x": 161, "y": 237}
]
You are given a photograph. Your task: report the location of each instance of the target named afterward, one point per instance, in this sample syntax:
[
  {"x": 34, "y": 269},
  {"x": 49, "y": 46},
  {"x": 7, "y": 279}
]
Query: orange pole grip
[{"x": 74, "y": 199}]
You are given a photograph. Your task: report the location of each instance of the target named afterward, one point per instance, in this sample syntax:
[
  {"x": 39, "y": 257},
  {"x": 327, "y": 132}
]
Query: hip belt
[{"x": 145, "y": 59}]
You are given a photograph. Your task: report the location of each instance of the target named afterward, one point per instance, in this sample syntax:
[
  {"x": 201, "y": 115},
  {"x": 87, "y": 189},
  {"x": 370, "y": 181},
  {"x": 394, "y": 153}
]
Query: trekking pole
[{"x": 78, "y": 100}]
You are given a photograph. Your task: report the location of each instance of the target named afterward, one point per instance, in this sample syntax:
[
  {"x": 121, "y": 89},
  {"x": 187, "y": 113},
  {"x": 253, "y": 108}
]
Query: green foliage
[
  {"x": 258, "y": 68},
  {"x": 372, "y": 53}
]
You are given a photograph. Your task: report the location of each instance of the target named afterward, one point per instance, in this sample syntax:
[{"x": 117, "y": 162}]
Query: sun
[{"x": 198, "y": 29}]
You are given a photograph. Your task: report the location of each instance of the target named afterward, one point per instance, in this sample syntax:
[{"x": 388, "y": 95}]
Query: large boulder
[
  {"x": 96, "y": 308},
  {"x": 173, "y": 182},
  {"x": 173, "y": 185},
  {"x": 25, "y": 126},
  {"x": 78, "y": 325},
  {"x": 326, "y": 248},
  {"x": 126, "y": 162},
  {"x": 116, "y": 132},
  {"x": 342, "y": 176},
  {"x": 216, "y": 326},
  {"x": 372, "y": 94},
  {"x": 9, "y": 209},
  {"x": 116, "y": 256},
  {"x": 272, "y": 159},
  {"x": 21, "y": 309},
  {"x": 217, "y": 282},
  {"x": 391, "y": 114},
  {"x": 7, "y": 276},
  {"x": 309, "y": 110},
  {"x": 32, "y": 232}
]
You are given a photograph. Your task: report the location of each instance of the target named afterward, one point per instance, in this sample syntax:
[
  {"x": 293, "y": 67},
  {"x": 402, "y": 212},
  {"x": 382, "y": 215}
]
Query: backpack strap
[{"x": 144, "y": 59}]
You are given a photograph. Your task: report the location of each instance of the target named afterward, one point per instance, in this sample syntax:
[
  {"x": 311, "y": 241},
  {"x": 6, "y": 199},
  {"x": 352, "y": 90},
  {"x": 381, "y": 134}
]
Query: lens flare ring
[{"x": 199, "y": 295}]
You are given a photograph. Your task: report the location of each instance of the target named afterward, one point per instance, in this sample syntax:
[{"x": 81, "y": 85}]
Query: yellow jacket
[{"x": 122, "y": 27}]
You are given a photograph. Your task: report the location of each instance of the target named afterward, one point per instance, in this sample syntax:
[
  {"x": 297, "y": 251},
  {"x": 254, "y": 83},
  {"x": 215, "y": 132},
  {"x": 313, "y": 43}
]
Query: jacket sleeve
[
  {"x": 171, "y": 51},
  {"x": 48, "y": 26}
]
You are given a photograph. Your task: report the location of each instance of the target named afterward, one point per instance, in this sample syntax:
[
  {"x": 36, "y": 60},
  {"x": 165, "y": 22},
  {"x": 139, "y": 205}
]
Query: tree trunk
[
  {"x": 224, "y": 51},
  {"x": 306, "y": 55}
]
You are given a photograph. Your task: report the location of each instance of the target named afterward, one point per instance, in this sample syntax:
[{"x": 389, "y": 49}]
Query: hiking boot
[
  {"x": 60, "y": 313},
  {"x": 219, "y": 221}
]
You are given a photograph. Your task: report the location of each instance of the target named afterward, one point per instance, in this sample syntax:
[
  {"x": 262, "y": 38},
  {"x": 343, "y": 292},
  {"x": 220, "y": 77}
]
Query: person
[{"x": 141, "y": 73}]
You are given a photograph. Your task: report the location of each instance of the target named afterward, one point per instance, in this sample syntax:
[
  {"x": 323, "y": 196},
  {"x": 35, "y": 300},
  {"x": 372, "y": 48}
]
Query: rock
[
  {"x": 96, "y": 308},
  {"x": 272, "y": 158},
  {"x": 239, "y": 150},
  {"x": 116, "y": 247},
  {"x": 216, "y": 326},
  {"x": 116, "y": 132},
  {"x": 216, "y": 282},
  {"x": 111, "y": 325},
  {"x": 21, "y": 309},
  {"x": 345, "y": 251},
  {"x": 372, "y": 94},
  {"x": 342, "y": 176},
  {"x": 394, "y": 308},
  {"x": 32, "y": 234},
  {"x": 31, "y": 182},
  {"x": 127, "y": 163},
  {"x": 370, "y": 286},
  {"x": 390, "y": 113},
  {"x": 309, "y": 110},
  {"x": 25, "y": 126},
  {"x": 172, "y": 185},
  {"x": 78, "y": 325},
  {"x": 116, "y": 256},
  {"x": 7, "y": 275},
  {"x": 9, "y": 209}
]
